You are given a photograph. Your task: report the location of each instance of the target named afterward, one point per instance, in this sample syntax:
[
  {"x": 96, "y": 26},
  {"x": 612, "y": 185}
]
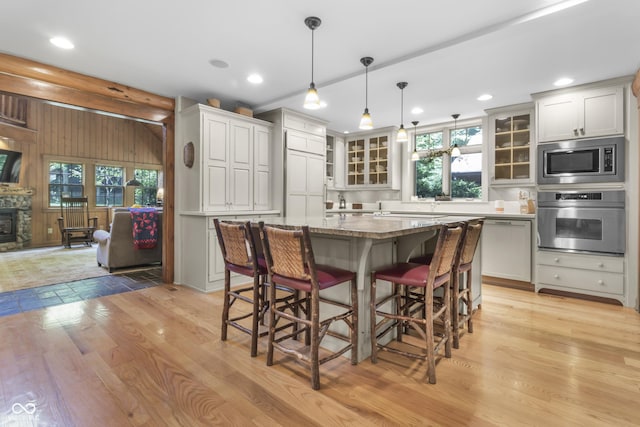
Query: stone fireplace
[{"x": 15, "y": 218}]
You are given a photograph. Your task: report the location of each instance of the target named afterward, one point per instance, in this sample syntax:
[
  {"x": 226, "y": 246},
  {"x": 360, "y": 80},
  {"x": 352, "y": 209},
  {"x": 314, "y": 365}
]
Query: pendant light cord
[{"x": 312, "y": 53}]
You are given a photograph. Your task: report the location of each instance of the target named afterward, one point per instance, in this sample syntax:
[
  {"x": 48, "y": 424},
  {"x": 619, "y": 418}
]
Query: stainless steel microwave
[{"x": 581, "y": 161}]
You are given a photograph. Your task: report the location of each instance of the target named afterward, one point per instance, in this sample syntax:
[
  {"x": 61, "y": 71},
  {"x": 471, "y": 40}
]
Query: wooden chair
[
  {"x": 240, "y": 256},
  {"x": 291, "y": 263},
  {"x": 410, "y": 308},
  {"x": 74, "y": 221},
  {"x": 462, "y": 293}
]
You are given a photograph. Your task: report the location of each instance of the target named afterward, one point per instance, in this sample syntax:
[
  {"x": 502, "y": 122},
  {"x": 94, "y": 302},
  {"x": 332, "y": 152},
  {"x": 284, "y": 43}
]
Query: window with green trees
[
  {"x": 462, "y": 178},
  {"x": 109, "y": 185},
  {"x": 65, "y": 179},
  {"x": 145, "y": 195}
]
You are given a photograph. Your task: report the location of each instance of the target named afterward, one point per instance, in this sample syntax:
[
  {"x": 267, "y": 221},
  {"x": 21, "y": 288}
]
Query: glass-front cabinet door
[
  {"x": 378, "y": 160},
  {"x": 356, "y": 162},
  {"x": 511, "y": 144}
]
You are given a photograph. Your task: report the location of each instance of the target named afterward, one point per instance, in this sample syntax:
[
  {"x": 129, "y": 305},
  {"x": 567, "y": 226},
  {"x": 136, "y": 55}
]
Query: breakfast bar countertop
[{"x": 371, "y": 227}]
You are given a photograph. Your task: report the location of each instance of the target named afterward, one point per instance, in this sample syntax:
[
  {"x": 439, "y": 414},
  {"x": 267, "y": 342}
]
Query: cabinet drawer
[
  {"x": 304, "y": 142},
  {"x": 303, "y": 125},
  {"x": 587, "y": 280},
  {"x": 588, "y": 262}
]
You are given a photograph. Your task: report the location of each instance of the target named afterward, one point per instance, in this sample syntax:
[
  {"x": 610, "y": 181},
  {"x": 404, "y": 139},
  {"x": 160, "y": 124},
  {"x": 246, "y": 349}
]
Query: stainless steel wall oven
[{"x": 582, "y": 221}]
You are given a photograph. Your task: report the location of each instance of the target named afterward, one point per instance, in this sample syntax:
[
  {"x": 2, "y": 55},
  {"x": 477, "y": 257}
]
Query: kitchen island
[{"x": 364, "y": 243}]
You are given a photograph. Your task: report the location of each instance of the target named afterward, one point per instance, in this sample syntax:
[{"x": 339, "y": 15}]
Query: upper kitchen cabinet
[
  {"x": 299, "y": 150},
  {"x": 581, "y": 113},
  {"x": 512, "y": 140},
  {"x": 371, "y": 160},
  {"x": 226, "y": 162}
]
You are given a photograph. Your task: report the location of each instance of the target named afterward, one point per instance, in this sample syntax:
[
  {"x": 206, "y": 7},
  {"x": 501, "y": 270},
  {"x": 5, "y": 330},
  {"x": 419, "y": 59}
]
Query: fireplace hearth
[
  {"x": 15, "y": 218},
  {"x": 8, "y": 220}
]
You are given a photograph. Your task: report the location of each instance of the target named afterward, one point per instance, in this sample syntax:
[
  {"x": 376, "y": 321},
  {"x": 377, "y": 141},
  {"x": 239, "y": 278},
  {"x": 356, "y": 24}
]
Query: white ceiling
[{"x": 449, "y": 52}]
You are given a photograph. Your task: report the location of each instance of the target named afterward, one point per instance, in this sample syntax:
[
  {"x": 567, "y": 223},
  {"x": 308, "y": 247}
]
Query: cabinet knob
[
  {"x": 582, "y": 131},
  {"x": 556, "y": 276},
  {"x": 556, "y": 260},
  {"x": 601, "y": 264},
  {"x": 600, "y": 282},
  {"x": 575, "y": 132}
]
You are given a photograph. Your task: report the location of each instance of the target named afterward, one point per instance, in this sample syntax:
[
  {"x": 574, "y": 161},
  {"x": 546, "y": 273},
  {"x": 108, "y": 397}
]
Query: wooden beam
[
  {"x": 71, "y": 96},
  {"x": 168, "y": 230},
  {"x": 47, "y": 73}
]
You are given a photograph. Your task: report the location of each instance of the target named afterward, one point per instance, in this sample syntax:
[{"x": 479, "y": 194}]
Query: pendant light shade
[
  {"x": 133, "y": 183},
  {"x": 312, "y": 100},
  {"x": 415, "y": 156},
  {"x": 365, "y": 122},
  {"x": 455, "y": 151},
  {"x": 402, "y": 133}
]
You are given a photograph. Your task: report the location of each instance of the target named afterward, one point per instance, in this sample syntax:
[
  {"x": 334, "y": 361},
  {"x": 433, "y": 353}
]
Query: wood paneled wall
[{"x": 83, "y": 136}]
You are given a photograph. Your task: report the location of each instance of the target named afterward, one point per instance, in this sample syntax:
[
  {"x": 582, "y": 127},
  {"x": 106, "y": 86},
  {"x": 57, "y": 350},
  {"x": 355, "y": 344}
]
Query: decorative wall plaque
[{"x": 188, "y": 154}]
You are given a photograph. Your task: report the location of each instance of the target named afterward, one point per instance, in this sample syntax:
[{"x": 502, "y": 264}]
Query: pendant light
[
  {"x": 365, "y": 122},
  {"x": 312, "y": 100},
  {"x": 455, "y": 151},
  {"x": 415, "y": 156},
  {"x": 134, "y": 181},
  {"x": 402, "y": 133}
]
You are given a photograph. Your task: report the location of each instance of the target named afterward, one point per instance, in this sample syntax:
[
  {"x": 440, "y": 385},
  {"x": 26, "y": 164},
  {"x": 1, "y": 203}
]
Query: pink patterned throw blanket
[{"x": 144, "y": 223}]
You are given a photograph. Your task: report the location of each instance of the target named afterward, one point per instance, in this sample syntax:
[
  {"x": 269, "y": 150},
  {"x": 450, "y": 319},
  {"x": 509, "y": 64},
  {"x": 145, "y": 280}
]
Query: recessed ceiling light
[
  {"x": 417, "y": 110},
  {"x": 61, "y": 42},
  {"x": 484, "y": 97},
  {"x": 563, "y": 81},
  {"x": 219, "y": 63},
  {"x": 254, "y": 78},
  {"x": 345, "y": 132}
]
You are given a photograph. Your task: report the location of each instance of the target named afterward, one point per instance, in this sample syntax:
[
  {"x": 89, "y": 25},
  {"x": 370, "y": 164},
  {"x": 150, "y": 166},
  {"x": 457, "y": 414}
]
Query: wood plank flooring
[{"x": 154, "y": 358}]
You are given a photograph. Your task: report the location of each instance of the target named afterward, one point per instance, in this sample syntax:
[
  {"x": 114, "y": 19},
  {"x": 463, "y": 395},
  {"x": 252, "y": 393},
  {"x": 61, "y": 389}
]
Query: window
[
  {"x": 437, "y": 174},
  {"x": 429, "y": 171},
  {"x": 145, "y": 195},
  {"x": 65, "y": 179},
  {"x": 109, "y": 188},
  {"x": 466, "y": 169}
]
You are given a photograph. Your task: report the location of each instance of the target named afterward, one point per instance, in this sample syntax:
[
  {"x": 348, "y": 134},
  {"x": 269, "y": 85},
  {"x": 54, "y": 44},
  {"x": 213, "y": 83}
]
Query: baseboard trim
[{"x": 509, "y": 283}]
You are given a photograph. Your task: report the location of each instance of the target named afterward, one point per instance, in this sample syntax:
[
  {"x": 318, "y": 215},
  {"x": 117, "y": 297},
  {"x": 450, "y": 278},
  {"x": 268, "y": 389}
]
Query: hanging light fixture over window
[
  {"x": 365, "y": 122},
  {"x": 415, "y": 156},
  {"x": 402, "y": 133},
  {"x": 455, "y": 151},
  {"x": 134, "y": 181},
  {"x": 312, "y": 100}
]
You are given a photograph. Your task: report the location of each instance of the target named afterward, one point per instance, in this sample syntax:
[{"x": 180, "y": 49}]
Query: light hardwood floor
[{"x": 154, "y": 358}]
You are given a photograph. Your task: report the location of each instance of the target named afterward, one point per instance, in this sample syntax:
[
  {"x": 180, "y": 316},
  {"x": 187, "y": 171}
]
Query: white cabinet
[
  {"x": 581, "y": 114},
  {"x": 506, "y": 249},
  {"x": 305, "y": 192},
  {"x": 203, "y": 269},
  {"x": 232, "y": 165},
  {"x": 511, "y": 145},
  {"x": 596, "y": 275},
  {"x": 299, "y": 155},
  {"x": 371, "y": 161}
]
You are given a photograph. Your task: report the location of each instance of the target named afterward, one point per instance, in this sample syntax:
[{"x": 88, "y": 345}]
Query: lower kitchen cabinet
[
  {"x": 203, "y": 269},
  {"x": 596, "y": 275},
  {"x": 506, "y": 249}
]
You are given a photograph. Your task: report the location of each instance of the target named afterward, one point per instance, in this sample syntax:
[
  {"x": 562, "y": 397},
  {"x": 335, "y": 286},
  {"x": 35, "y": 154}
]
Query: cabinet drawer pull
[
  {"x": 600, "y": 282},
  {"x": 601, "y": 264},
  {"x": 556, "y": 276},
  {"x": 556, "y": 259}
]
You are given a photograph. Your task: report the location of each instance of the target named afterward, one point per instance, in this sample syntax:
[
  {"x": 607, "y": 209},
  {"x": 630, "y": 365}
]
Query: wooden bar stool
[
  {"x": 240, "y": 255},
  {"x": 411, "y": 304},
  {"x": 291, "y": 263},
  {"x": 462, "y": 293}
]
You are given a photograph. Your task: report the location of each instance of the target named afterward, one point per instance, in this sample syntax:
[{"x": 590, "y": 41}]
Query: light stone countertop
[{"x": 374, "y": 227}]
